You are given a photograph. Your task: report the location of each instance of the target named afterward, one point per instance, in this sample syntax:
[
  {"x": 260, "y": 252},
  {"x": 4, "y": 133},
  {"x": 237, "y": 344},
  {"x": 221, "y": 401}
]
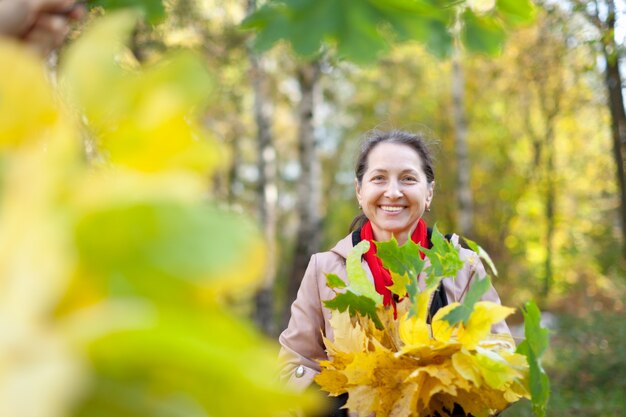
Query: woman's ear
[
  {"x": 357, "y": 190},
  {"x": 430, "y": 193}
]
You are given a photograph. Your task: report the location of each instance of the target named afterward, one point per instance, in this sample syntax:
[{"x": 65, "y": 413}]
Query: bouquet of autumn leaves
[{"x": 416, "y": 365}]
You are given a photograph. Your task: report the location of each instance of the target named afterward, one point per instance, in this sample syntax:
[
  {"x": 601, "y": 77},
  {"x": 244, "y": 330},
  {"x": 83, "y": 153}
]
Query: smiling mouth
[{"x": 391, "y": 209}]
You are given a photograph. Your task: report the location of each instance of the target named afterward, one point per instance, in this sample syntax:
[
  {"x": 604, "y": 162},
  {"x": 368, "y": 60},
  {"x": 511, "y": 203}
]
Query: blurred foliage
[
  {"x": 362, "y": 30},
  {"x": 153, "y": 10},
  {"x": 114, "y": 267}
]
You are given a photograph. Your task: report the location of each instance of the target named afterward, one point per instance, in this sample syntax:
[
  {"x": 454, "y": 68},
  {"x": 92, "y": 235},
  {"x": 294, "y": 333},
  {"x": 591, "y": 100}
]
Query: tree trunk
[
  {"x": 266, "y": 186},
  {"x": 465, "y": 216},
  {"x": 550, "y": 207},
  {"x": 618, "y": 115},
  {"x": 308, "y": 237}
]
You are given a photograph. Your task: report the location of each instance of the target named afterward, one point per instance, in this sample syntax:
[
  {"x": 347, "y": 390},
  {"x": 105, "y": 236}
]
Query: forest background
[
  {"x": 529, "y": 159},
  {"x": 526, "y": 163}
]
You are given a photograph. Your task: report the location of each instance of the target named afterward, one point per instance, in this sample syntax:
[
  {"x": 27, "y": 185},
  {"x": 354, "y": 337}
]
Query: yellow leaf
[
  {"x": 361, "y": 400},
  {"x": 465, "y": 365},
  {"x": 400, "y": 283},
  {"x": 359, "y": 372},
  {"x": 28, "y": 110},
  {"x": 331, "y": 381},
  {"x": 406, "y": 403},
  {"x": 143, "y": 119},
  {"x": 414, "y": 331},
  {"x": 484, "y": 315},
  {"x": 494, "y": 370},
  {"x": 346, "y": 336},
  {"x": 441, "y": 329}
]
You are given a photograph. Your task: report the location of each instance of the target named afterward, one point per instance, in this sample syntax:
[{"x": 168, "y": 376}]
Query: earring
[
  {"x": 360, "y": 208},
  {"x": 428, "y": 209}
]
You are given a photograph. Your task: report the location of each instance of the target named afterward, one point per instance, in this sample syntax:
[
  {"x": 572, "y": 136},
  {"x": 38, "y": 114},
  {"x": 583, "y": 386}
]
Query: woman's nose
[{"x": 393, "y": 190}]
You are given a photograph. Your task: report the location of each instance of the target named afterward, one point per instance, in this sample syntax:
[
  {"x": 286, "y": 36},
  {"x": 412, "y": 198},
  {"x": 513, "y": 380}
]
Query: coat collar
[{"x": 343, "y": 247}]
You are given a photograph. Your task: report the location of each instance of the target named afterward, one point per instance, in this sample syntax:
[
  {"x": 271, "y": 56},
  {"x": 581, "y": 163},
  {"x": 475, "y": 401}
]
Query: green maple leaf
[
  {"x": 445, "y": 260},
  {"x": 360, "y": 296},
  {"x": 535, "y": 344},
  {"x": 355, "y": 304},
  {"x": 462, "y": 312},
  {"x": 361, "y": 30},
  {"x": 403, "y": 259},
  {"x": 403, "y": 262},
  {"x": 333, "y": 281}
]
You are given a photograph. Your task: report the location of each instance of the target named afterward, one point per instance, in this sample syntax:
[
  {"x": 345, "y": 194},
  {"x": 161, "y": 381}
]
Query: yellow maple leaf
[
  {"x": 333, "y": 381},
  {"x": 466, "y": 367},
  {"x": 484, "y": 315},
  {"x": 347, "y": 337},
  {"x": 494, "y": 369},
  {"x": 414, "y": 331},
  {"x": 441, "y": 329}
]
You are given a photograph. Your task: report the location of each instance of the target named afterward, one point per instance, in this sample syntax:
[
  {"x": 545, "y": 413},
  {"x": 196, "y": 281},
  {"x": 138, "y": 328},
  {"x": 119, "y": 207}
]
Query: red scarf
[{"x": 382, "y": 277}]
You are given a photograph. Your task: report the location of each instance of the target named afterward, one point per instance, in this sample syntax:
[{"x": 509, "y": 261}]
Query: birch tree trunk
[
  {"x": 267, "y": 193},
  {"x": 308, "y": 237},
  {"x": 465, "y": 213}
]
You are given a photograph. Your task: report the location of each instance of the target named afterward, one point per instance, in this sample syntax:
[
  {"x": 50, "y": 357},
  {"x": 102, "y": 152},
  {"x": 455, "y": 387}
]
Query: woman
[{"x": 394, "y": 184}]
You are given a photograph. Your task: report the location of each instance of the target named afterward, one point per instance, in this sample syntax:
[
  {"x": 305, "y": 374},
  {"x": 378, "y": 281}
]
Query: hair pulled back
[{"x": 415, "y": 141}]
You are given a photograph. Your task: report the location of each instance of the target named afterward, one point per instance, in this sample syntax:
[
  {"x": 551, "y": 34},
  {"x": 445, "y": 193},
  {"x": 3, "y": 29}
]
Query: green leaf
[
  {"x": 444, "y": 258},
  {"x": 355, "y": 28},
  {"x": 160, "y": 247},
  {"x": 153, "y": 10},
  {"x": 149, "y": 360},
  {"x": 462, "y": 312},
  {"x": 516, "y": 12},
  {"x": 482, "y": 34},
  {"x": 403, "y": 260},
  {"x": 482, "y": 254},
  {"x": 359, "y": 282},
  {"x": 533, "y": 347},
  {"x": 333, "y": 281},
  {"x": 355, "y": 304},
  {"x": 404, "y": 263},
  {"x": 360, "y": 296}
]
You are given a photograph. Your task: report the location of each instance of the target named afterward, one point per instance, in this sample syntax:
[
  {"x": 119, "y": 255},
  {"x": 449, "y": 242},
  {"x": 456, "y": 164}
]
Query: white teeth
[{"x": 390, "y": 208}]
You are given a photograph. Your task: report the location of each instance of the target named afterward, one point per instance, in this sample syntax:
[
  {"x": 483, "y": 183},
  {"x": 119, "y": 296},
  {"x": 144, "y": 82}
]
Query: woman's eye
[
  {"x": 378, "y": 178},
  {"x": 410, "y": 179}
]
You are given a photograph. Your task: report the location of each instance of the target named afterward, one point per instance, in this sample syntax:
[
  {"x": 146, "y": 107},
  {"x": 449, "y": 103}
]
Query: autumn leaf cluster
[{"x": 418, "y": 365}]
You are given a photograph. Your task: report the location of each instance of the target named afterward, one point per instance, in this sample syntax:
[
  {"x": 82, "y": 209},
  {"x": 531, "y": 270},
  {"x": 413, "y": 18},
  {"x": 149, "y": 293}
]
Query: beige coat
[{"x": 302, "y": 344}]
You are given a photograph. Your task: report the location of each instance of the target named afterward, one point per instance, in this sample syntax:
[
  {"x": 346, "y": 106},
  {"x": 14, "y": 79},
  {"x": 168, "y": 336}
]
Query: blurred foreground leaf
[
  {"x": 144, "y": 120},
  {"x": 362, "y": 30},
  {"x": 178, "y": 361},
  {"x": 153, "y": 10},
  {"x": 105, "y": 270}
]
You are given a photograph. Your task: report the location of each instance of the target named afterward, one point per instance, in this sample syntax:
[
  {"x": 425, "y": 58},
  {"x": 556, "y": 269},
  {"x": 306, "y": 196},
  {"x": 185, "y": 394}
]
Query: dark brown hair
[{"x": 415, "y": 141}]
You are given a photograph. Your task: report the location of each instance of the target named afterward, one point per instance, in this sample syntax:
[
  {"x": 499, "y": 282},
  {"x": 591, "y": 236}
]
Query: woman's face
[{"x": 394, "y": 191}]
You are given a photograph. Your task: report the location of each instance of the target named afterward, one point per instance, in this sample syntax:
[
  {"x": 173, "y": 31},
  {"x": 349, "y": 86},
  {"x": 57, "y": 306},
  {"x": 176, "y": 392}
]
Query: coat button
[{"x": 299, "y": 371}]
